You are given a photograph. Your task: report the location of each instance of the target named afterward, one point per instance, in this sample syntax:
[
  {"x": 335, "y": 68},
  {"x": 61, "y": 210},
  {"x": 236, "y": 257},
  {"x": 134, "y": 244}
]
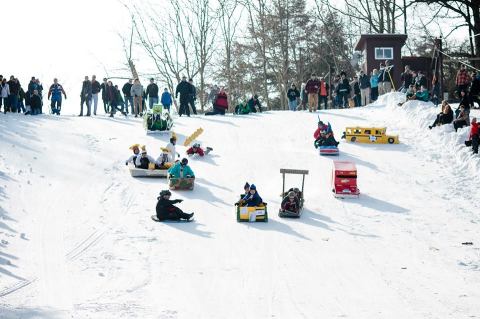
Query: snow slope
[{"x": 76, "y": 239}]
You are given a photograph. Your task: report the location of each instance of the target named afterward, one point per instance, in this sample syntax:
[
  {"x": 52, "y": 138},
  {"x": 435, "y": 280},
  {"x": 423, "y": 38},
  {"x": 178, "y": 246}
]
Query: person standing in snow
[
  {"x": 126, "y": 90},
  {"x": 462, "y": 80},
  {"x": 293, "y": 95},
  {"x": 96, "y": 87},
  {"x": 4, "y": 93},
  {"x": 36, "y": 103},
  {"x": 55, "y": 93},
  {"x": 137, "y": 92},
  {"x": 85, "y": 95},
  {"x": 364, "y": 81},
  {"x": 103, "y": 86},
  {"x": 152, "y": 93},
  {"x": 474, "y": 137},
  {"x": 166, "y": 99},
  {"x": 311, "y": 88},
  {"x": 193, "y": 96},
  {"x": 185, "y": 90},
  {"x": 374, "y": 79},
  {"x": 167, "y": 211}
]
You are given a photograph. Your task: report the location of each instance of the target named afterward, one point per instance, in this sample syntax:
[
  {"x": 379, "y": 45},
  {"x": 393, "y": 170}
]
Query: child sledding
[
  {"x": 143, "y": 165},
  {"x": 250, "y": 207},
  {"x": 324, "y": 139},
  {"x": 166, "y": 210},
  {"x": 181, "y": 176},
  {"x": 292, "y": 203},
  {"x": 196, "y": 150}
]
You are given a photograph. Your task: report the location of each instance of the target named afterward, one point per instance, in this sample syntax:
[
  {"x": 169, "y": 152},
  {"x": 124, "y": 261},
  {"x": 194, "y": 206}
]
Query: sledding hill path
[{"x": 77, "y": 240}]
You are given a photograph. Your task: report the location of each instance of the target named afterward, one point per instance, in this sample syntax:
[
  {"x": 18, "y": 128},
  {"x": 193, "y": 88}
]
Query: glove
[
  {"x": 180, "y": 200},
  {"x": 126, "y": 163},
  {"x": 236, "y": 204}
]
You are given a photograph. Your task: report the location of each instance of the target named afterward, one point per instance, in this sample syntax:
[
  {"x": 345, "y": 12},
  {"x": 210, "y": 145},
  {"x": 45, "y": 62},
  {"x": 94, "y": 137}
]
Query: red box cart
[{"x": 344, "y": 180}]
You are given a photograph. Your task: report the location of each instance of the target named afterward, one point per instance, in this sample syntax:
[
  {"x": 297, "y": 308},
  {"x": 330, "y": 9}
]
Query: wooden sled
[
  {"x": 140, "y": 172},
  {"x": 286, "y": 213}
]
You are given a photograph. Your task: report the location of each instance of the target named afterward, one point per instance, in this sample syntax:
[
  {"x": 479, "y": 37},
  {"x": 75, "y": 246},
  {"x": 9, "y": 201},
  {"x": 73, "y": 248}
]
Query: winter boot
[{"x": 209, "y": 149}]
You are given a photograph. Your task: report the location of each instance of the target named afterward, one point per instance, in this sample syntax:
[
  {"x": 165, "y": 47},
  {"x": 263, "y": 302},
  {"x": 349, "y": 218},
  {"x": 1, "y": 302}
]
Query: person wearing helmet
[
  {"x": 144, "y": 159},
  {"x": 196, "y": 149},
  {"x": 324, "y": 135},
  {"x": 291, "y": 203},
  {"x": 132, "y": 159},
  {"x": 252, "y": 198},
  {"x": 181, "y": 170},
  {"x": 166, "y": 210}
]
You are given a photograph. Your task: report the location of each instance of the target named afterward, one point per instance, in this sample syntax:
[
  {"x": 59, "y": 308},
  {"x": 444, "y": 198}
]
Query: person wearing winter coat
[
  {"x": 36, "y": 103},
  {"x": 406, "y": 78},
  {"x": 193, "y": 96},
  {"x": 85, "y": 96},
  {"x": 220, "y": 104},
  {"x": 464, "y": 100},
  {"x": 181, "y": 170},
  {"x": 167, "y": 211},
  {"x": 14, "y": 88},
  {"x": 133, "y": 159},
  {"x": 144, "y": 160},
  {"x": 103, "y": 87},
  {"x": 422, "y": 94},
  {"x": 311, "y": 88},
  {"x": 137, "y": 92},
  {"x": 127, "y": 95},
  {"x": 4, "y": 93},
  {"x": 364, "y": 81},
  {"x": 196, "y": 149},
  {"x": 114, "y": 99},
  {"x": 166, "y": 99},
  {"x": 253, "y": 103},
  {"x": 185, "y": 90},
  {"x": 356, "y": 91},
  {"x": 444, "y": 117},
  {"x": 323, "y": 94},
  {"x": 152, "y": 93},
  {"x": 293, "y": 95},
  {"x": 462, "y": 80},
  {"x": 96, "y": 88},
  {"x": 475, "y": 89},
  {"x": 386, "y": 77},
  {"x": 374, "y": 85},
  {"x": 343, "y": 89},
  {"x": 164, "y": 160},
  {"x": 474, "y": 138},
  {"x": 252, "y": 199},
  {"x": 463, "y": 118},
  {"x": 290, "y": 203},
  {"x": 420, "y": 80},
  {"x": 55, "y": 93},
  {"x": 242, "y": 108},
  {"x": 323, "y": 135}
]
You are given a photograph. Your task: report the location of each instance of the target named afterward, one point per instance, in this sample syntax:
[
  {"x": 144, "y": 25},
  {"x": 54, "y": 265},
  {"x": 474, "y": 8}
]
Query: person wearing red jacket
[
  {"x": 474, "y": 137},
  {"x": 196, "y": 149},
  {"x": 311, "y": 88},
  {"x": 220, "y": 104}
]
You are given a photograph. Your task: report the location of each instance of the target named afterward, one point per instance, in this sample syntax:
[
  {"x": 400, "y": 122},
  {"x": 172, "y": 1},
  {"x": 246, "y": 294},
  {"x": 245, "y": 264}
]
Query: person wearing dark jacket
[
  {"x": 13, "y": 97},
  {"x": 152, "y": 93},
  {"x": 293, "y": 95},
  {"x": 103, "y": 86},
  {"x": 253, "y": 103},
  {"x": 475, "y": 89},
  {"x": 364, "y": 81},
  {"x": 252, "y": 199},
  {"x": 167, "y": 211},
  {"x": 290, "y": 203},
  {"x": 387, "y": 77},
  {"x": 406, "y": 78},
  {"x": 96, "y": 87},
  {"x": 356, "y": 91},
  {"x": 55, "y": 96},
  {"x": 185, "y": 90},
  {"x": 85, "y": 95},
  {"x": 311, "y": 88},
  {"x": 193, "y": 96},
  {"x": 220, "y": 104},
  {"x": 343, "y": 89},
  {"x": 36, "y": 103},
  {"x": 127, "y": 94},
  {"x": 444, "y": 117}
]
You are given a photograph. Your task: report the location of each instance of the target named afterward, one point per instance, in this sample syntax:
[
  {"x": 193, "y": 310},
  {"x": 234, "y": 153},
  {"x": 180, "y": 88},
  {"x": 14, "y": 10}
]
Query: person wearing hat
[
  {"x": 293, "y": 96},
  {"x": 172, "y": 151},
  {"x": 252, "y": 198},
  {"x": 167, "y": 211},
  {"x": 181, "y": 170},
  {"x": 290, "y": 203},
  {"x": 196, "y": 149},
  {"x": 152, "y": 93},
  {"x": 185, "y": 90},
  {"x": 254, "y": 102},
  {"x": 163, "y": 161},
  {"x": 144, "y": 159},
  {"x": 132, "y": 159}
]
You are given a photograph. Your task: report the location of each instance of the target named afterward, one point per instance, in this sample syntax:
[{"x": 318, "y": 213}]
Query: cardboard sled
[
  {"x": 186, "y": 183},
  {"x": 252, "y": 214}
]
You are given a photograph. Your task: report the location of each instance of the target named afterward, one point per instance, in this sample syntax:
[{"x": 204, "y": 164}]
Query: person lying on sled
[
  {"x": 252, "y": 199},
  {"x": 291, "y": 203},
  {"x": 132, "y": 159},
  {"x": 144, "y": 159},
  {"x": 181, "y": 170},
  {"x": 163, "y": 161},
  {"x": 196, "y": 149},
  {"x": 167, "y": 211}
]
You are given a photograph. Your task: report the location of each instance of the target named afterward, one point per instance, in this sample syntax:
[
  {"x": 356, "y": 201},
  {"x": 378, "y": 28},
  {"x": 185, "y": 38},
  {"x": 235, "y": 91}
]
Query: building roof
[{"x": 385, "y": 36}]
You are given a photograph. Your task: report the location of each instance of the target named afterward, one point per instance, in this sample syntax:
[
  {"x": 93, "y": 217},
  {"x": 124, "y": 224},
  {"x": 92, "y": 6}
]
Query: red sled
[
  {"x": 344, "y": 180},
  {"x": 328, "y": 150}
]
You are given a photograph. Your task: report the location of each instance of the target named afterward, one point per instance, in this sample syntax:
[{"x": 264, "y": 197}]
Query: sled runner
[
  {"x": 252, "y": 214},
  {"x": 155, "y": 219},
  {"x": 139, "y": 172},
  {"x": 185, "y": 183},
  {"x": 157, "y": 121},
  {"x": 299, "y": 194},
  {"x": 344, "y": 180}
]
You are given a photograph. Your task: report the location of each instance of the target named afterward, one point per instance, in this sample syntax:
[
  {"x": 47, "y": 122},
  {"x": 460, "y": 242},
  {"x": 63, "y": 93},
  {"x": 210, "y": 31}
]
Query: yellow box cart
[
  {"x": 252, "y": 214},
  {"x": 371, "y": 135}
]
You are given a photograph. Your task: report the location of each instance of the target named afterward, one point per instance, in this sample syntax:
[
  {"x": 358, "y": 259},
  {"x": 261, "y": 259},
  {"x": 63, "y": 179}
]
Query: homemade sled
[
  {"x": 286, "y": 213},
  {"x": 372, "y": 135},
  {"x": 252, "y": 214},
  {"x": 157, "y": 121},
  {"x": 155, "y": 219},
  {"x": 344, "y": 180},
  {"x": 140, "y": 172},
  {"x": 185, "y": 183},
  {"x": 328, "y": 150}
]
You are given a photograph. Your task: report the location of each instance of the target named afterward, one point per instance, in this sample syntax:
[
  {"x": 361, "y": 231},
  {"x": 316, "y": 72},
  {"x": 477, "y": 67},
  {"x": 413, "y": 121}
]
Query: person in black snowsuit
[
  {"x": 166, "y": 209},
  {"x": 185, "y": 90},
  {"x": 193, "y": 96}
]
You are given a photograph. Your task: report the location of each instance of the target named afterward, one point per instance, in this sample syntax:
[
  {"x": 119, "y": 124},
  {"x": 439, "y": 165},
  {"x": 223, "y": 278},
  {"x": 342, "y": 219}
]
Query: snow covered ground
[{"x": 76, "y": 239}]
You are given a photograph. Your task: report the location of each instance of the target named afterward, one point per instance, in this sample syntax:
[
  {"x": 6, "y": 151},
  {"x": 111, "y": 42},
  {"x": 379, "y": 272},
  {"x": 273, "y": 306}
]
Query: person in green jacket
[
  {"x": 181, "y": 170},
  {"x": 422, "y": 94},
  {"x": 242, "y": 108}
]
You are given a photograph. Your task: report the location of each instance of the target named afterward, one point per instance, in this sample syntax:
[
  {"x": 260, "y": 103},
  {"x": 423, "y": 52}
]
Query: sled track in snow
[{"x": 19, "y": 285}]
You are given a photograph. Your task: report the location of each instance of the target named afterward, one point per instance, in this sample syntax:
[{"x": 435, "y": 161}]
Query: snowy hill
[{"x": 76, "y": 239}]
